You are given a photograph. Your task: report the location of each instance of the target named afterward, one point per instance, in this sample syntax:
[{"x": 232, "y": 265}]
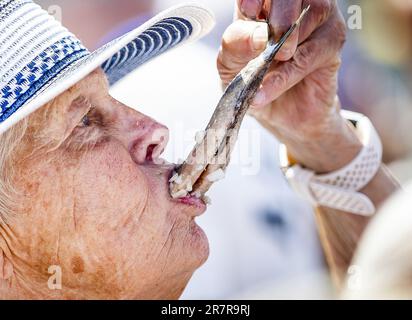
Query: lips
[
  {"x": 158, "y": 176},
  {"x": 198, "y": 205},
  {"x": 194, "y": 202}
]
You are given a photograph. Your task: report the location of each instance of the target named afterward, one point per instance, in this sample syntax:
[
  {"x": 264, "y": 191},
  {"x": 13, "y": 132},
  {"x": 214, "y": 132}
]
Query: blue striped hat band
[{"x": 36, "y": 50}]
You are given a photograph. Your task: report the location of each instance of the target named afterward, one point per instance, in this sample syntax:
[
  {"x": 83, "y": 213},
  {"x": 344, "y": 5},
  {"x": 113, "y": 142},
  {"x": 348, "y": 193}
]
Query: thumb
[{"x": 242, "y": 42}]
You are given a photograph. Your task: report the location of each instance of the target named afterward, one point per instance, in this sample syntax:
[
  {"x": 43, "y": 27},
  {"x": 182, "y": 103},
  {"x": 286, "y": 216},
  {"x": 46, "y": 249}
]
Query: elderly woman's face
[{"x": 96, "y": 204}]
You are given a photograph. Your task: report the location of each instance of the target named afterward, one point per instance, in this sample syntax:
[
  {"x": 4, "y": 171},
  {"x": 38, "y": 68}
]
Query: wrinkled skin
[{"x": 98, "y": 206}]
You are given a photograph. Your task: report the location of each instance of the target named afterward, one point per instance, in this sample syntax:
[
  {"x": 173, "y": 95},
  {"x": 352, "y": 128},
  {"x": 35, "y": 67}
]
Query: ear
[{"x": 6, "y": 267}]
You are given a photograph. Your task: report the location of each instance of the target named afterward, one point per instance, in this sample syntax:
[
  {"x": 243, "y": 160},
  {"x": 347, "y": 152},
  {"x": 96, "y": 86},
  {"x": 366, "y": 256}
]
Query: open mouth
[
  {"x": 189, "y": 199},
  {"x": 158, "y": 175}
]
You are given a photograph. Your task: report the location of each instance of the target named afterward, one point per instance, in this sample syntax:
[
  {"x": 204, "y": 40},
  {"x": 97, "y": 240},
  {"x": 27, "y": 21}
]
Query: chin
[
  {"x": 195, "y": 245},
  {"x": 193, "y": 253},
  {"x": 199, "y": 245}
]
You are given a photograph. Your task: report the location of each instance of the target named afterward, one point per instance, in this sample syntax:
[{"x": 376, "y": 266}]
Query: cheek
[
  {"x": 128, "y": 205},
  {"x": 109, "y": 183}
]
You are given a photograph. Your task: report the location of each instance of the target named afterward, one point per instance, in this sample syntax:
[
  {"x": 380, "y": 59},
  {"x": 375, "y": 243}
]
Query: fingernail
[
  {"x": 260, "y": 37},
  {"x": 259, "y": 99},
  {"x": 250, "y": 8}
]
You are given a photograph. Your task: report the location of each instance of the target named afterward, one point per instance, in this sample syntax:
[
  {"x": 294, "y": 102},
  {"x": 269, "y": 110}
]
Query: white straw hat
[{"x": 40, "y": 59}]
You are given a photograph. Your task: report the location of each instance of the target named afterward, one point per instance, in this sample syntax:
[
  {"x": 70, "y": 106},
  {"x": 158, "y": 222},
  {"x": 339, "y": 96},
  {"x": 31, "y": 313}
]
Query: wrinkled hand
[{"x": 297, "y": 100}]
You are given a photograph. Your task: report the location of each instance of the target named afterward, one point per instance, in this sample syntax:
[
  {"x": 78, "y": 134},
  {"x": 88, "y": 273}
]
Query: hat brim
[{"x": 169, "y": 29}]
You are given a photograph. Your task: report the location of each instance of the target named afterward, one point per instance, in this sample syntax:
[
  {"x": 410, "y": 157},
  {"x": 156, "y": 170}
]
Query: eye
[
  {"x": 88, "y": 132},
  {"x": 85, "y": 121},
  {"x": 91, "y": 123},
  {"x": 92, "y": 118}
]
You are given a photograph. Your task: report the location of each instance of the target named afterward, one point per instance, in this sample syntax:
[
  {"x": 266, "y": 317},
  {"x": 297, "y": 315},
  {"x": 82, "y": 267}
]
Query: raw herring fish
[{"x": 209, "y": 158}]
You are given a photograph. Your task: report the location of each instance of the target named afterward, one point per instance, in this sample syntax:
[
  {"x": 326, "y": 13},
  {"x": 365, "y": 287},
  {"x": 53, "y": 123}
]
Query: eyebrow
[
  {"x": 81, "y": 102},
  {"x": 77, "y": 109}
]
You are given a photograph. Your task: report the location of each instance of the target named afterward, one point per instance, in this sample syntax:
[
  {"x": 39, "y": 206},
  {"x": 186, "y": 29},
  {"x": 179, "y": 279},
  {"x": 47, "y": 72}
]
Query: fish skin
[{"x": 223, "y": 128}]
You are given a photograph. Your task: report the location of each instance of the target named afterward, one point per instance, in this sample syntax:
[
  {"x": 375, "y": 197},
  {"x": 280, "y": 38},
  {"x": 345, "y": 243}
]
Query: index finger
[{"x": 283, "y": 14}]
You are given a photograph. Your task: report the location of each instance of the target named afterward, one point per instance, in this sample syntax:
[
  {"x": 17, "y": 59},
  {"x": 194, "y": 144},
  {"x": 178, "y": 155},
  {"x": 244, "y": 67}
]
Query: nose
[
  {"x": 144, "y": 137},
  {"x": 150, "y": 141}
]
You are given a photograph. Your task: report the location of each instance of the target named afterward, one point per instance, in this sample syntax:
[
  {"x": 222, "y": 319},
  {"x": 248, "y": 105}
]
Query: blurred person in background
[
  {"x": 268, "y": 239},
  {"x": 376, "y": 76}
]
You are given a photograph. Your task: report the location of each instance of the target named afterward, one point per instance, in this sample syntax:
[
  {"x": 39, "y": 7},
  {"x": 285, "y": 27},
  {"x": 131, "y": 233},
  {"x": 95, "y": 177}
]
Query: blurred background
[{"x": 263, "y": 238}]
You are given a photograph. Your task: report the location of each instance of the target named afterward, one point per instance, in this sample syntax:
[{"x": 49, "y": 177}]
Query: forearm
[{"x": 340, "y": 232}]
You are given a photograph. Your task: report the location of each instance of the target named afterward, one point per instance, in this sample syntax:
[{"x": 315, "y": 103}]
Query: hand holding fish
[{"x": 297, "y": 100}]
